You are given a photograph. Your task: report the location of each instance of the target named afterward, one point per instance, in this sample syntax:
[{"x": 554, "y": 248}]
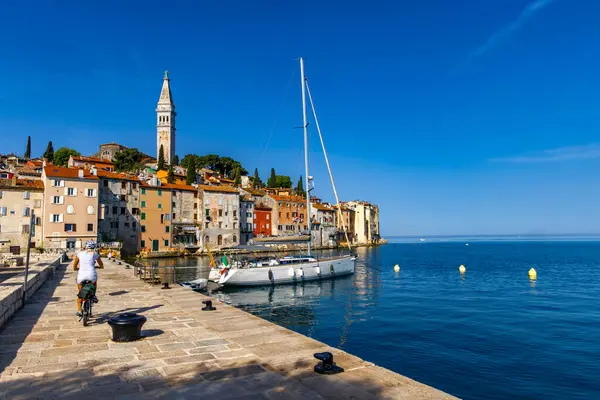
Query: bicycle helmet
[{"x": 90, "y": 244}]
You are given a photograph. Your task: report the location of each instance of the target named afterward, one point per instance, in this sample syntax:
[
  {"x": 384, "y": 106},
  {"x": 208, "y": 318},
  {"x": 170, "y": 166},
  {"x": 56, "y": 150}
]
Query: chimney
[
  {"x": 80, "y": 173},
  {"x": 13, "y": 180},
  {"x": 94, "y": 171}
]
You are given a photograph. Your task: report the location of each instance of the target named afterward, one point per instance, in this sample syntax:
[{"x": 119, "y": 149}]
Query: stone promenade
[{"x": 45, "y": 353}]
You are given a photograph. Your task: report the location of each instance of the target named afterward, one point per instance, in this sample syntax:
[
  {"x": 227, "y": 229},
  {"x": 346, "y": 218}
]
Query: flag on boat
[{"x": 224, "y": 261}]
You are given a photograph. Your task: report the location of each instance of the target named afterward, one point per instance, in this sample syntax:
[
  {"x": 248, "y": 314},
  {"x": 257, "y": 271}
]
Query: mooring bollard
[
  {"x": 127, "y": 327},
  {"x": 326, "y": 366},
  {"x": 165, "y": 285},
  {"x": 209, "y": 306}
]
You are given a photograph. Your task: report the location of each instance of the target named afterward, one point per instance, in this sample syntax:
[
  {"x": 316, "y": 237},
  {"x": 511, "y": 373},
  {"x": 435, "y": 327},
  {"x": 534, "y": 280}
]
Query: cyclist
[{"x": 85, "y": 263}]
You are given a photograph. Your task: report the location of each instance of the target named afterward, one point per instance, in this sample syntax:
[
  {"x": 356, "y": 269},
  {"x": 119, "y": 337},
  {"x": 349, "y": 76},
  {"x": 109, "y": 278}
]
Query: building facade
[
  {"x": 108, "y": 150},
  {"x": 89, "y": 162},
  {"x": 246, "y": 219},
  {"x": 347, "y": 223},
  {"x": 165, "y": 121},
  {"x": 219, "y": 217},
  {"x": 184, "y": 214},
  {"x": 70, "y": 207},
  {"x": 366, "y": 221},
  {"x": 288, "y": 213},
  {"x": 19, "y": 199},
  {"x": 324, "y": 224},
  {"x": 155, "y": 218},
  {"x": 119, "y": 210},
  {"x": 263, "y": 222}
]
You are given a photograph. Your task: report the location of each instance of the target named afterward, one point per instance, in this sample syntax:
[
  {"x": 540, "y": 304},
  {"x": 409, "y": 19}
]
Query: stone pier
[{"x": 185, "y": 353}]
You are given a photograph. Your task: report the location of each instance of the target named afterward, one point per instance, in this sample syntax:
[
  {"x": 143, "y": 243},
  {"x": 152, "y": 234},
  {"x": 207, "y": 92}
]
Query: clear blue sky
[{"x": 456, "y": 117}]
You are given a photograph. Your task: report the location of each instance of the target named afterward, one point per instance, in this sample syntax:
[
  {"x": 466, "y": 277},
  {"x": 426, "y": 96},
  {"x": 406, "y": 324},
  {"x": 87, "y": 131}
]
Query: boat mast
[{"x": 306, "y": 155}]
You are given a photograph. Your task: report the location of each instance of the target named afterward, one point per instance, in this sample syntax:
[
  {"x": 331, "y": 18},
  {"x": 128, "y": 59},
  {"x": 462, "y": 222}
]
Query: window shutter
[
  {"x": 51, "y": 217},
  {"x": 60, "y": 218},
  {"x": 90, "y": 209},
  {"x": 95, "y": 192},
  {"x": 61, "y": 200},
  {"x": 70, "y": 209},
  {"x": 74, "y": 227},
  {"x": 66, "y": 191}
]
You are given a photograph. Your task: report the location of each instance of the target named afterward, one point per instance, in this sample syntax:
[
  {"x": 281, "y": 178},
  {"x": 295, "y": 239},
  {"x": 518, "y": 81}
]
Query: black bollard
[
  {"x": 165, "y": 285},
  {"x": 326, "y": 365},
  {"x": 209, "y": 306},
  {"x": 127, "y": 327}
]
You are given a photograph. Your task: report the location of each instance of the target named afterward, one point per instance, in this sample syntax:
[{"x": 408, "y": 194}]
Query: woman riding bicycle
[{"x": 85, "y": 263}]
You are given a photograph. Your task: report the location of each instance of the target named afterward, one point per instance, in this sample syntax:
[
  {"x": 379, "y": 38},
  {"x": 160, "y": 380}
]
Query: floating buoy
[
  {"x": 462, "y": 269},
  {"x": 532, "y": 274},
  {"x": 396, "y": 268}
]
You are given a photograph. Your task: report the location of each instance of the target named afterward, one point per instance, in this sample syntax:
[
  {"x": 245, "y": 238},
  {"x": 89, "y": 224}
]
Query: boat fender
[
  {"x": 318, "y": 271},
  {"x": 331, "y": 269},
  {"x": 300, "y": 272},
  {"x": 291, "y": 272},
  {"x": 271, "y": 277}
]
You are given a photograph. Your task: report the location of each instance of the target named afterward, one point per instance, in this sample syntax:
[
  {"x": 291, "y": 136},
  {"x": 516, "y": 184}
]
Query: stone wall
[{"x": 11, "y": 290}]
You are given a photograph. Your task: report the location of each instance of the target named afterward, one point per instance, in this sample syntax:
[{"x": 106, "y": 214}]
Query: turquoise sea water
[{"x": 490, "y": 334}]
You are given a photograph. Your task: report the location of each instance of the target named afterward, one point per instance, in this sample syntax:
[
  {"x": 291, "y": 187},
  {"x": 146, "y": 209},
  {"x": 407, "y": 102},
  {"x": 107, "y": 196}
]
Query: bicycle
[{"x": 88, "y": 300}]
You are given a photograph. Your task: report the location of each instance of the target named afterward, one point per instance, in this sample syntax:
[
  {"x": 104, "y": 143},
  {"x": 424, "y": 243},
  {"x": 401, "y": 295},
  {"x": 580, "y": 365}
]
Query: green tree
[
  {"x": 300, "y": 187},
  {"x": 27, "y": 154},
  {"x": 128, "y": 160},
  {"x": 61, "y": 156},
  {"x": 161, "y": 158},
  {"x": 272, "y": 181},
  {"x": 283, "y": 181},
  {"x": 171, "y": 175},
  {"x": 191, "y": 171},
  {"x": 190, "y": 159},
  {"x": 175, "y": 160},
  {"x": 49, "y": 153},
  {"x": 256, "y": 179},
  {"x": 237, "y": 177}
]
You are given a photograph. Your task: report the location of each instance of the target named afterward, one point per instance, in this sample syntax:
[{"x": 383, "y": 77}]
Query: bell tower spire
[{"x": 165, "y": 121}]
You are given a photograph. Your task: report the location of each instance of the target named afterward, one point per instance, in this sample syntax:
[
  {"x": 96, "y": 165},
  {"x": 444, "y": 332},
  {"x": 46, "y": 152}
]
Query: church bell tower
[{"x": 165, "y": 121}]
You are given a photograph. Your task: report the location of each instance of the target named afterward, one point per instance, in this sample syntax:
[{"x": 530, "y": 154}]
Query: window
[
  {"x": 143, "y": 228},
  {"x": 167, "y": 217},
  {"x": 195, "y": 217},
  {"x": 114, "y": 225},
  {"x": 123, "y": 185},
  {"x": 206, "y": 225},
  {"x": 26, "y": 195},
  {"x": 70, "y": 228},
  {"x": 166, "y": 229},
  {"x": 234, "y": 238},
  {"x": 279, "y": 214},
  {"x": 159, "y": 206},
  {"x": 56, "y": 218},
  {"x": 25, "y": 212},
  {"x": 91, "y": 193},
  {"x": 133, "y": 185},
  {"x": 166, "y": 243},
  {"x": 162, "y": 218},
  {"x": 70, "y": 209},
  {"x": 25, "y": 229},
  {"x": 220, "y": 224},
  {"x": 220, "y": 200},
  {"x": 220, "y": 213},
  {"x": 105, "y": 183},
  {"x": 134, "y": 225},
  {"x": 267, "y": 226},
  {"x": 58, "y": 183},
  {"x": 142, "y": 243},
  {"x": 174, "y": 216},
  {"x": 143, "y": 204},
  {"x": 90, "y": 209},
  {"x": 254, "y": 226},
  {"x": 160, "y": 194},
  {"x": 143, "y": 191},
  {"x": 234, "y": 225},
  {"x": 71, "y": 192},
  {"x": 267, "y": 216},
  {"x": 3, "y": 211},
  {"x": 135, "y": 211},
  {"x": 90, "y": 227},
  {"x": 122, "y": 197},
  {"x": 115, "y": 210},
  {"x": 207, "y": 212},
  {"x": 58, "y": 200},
  {"x": 234, "y": 213},
  {"x": 143, "y": 216},
  {"x": 279, "y": 227},
  {"x": 287, "y": 215},
  {"x": 123, "y": 209}
]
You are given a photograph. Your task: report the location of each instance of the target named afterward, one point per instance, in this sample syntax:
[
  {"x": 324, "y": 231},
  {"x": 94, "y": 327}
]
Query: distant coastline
[{"x": 493, "y": 238}]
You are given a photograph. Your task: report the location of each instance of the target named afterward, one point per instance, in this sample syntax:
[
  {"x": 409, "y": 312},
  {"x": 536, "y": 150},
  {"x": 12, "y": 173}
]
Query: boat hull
[{"x": 290, "y": 273}]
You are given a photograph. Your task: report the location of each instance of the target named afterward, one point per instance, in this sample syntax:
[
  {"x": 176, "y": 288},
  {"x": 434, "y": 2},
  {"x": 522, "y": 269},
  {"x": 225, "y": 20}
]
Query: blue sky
[{"x": 456, "y": 117}]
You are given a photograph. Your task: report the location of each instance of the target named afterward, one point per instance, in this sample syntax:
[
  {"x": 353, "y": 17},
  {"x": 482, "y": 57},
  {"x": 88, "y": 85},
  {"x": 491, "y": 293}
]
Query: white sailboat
[{"x": 296, "y": 268}]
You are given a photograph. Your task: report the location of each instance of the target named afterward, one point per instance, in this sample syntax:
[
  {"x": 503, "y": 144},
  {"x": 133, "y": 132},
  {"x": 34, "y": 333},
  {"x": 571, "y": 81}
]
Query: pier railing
[{"x": 154, "y": 274}]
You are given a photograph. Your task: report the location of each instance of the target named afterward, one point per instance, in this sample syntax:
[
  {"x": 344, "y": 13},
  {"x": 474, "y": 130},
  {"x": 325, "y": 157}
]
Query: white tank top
[{"x": 87, "y": 269}]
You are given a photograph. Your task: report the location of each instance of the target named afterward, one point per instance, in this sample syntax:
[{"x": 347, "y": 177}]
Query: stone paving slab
[{"x": 45, "y": 352}]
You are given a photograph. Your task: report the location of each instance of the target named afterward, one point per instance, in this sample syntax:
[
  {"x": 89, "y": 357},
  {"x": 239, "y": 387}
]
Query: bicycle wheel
[{"x": 86, "y": 312}]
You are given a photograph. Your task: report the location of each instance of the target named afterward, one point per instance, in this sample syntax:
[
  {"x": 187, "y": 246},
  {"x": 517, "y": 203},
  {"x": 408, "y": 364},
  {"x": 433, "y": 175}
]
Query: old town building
[
  {"x": 288, "y": 213},
  {"x": 155, "y": 218},
  {"x": 324, "y": 224},
  {"x": 184, "y": 214},
  {"x": 70, "y": 216},
  {"x": 119, "y": 210},
  {"x": 246, "y": 219},
  {"x": 19, "y": 200},
  {"x": 366, "y": 221},
  {"x": 219, "y": 217},
  {"x": 263, "y": 224},
  {"x": 346, "y": 223},
  {"x": 89, "y": 162}
]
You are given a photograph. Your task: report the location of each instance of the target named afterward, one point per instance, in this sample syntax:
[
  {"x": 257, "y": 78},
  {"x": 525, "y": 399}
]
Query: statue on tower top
[{"x": 166, "y": 74}]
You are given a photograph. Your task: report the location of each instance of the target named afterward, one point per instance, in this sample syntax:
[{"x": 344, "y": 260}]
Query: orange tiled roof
[
  {"x": 319, "y": 206},
  {"x": 28, "y": 170},
  {"x": 54, "y": 171},
  {"x": 116, "y": 175},
  {"x": 294, "y": 198},
  {"x": 220, "y": 188},
  {"x": 92, "y": 160},
  {"x": 31, "y": 184},
  {"x": 176, "y": 186}
]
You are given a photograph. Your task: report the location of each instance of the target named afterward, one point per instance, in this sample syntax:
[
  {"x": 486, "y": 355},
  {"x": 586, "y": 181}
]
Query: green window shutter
[
  {"x": 143, "y": 204},
  {"x": 143, "y": 216}
]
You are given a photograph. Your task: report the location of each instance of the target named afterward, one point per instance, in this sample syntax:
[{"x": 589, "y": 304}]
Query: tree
[
  {"x": 27, "y": 154},
  {"x": 237, "y": 177},
  {"x": 175, "y": 160},
  {"x": 128, "y": 160},
  {"x": 161, "y": 158},
  {"x": 189, "y": 160},
  {"x": 282, "y": 181},
  {"x": 257, "y": 183},
  {"x": 171, "y": 175},
  {"x": 61, "y": 156},
  {"x": 191, "y": 171},
  {"x": 300, "y": 187},
  {"x": 272, "y": 181},
  {"x": 49, "y": 153}
]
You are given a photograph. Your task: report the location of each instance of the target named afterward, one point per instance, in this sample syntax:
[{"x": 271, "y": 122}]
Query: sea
[{"x": 490, "y": 333}]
